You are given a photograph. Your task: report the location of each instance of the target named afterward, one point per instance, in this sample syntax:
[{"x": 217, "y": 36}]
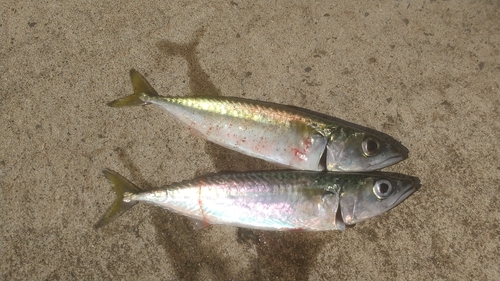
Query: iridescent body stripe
[
  {"x": 284, "y": 200},
  {"x": 268, "y": 131}
]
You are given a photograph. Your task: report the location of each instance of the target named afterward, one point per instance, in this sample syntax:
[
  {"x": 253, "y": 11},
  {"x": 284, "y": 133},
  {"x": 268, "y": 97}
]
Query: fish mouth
[
  {"x": 387, "y": 162},
  {"x": 402, "y": 150},
  {"x": 397, "y": 146},
  {"x": 401, "y": 154},
  {"x": 414, "y": 186}
]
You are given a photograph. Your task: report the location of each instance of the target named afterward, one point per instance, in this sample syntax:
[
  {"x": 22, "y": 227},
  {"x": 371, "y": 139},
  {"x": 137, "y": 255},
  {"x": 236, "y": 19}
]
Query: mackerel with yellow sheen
[
  {"x": 292, "y": 137},
  {"x": 271, "y": 200}
]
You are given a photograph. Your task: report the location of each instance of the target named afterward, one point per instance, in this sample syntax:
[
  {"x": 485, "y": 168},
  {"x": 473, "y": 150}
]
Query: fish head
[
  {"x": 360, "y": 151},
  {"x": 365, "y": 197}
]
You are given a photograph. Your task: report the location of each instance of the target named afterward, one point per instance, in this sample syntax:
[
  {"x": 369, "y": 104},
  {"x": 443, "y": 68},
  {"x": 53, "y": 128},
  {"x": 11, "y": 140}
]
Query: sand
[{"x": 424, "y": 72}]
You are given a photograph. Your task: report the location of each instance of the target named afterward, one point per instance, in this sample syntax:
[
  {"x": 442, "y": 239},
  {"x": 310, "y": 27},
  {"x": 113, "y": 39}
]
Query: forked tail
[
  {"x": 120, "y": 185},
  {"x": 142, "y": 88}
]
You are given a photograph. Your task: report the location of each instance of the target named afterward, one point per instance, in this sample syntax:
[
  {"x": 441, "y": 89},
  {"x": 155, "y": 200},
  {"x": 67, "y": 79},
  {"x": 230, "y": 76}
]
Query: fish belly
[
  {"x": 252, "y": 130},
  {"x": 258, "y": 201}
]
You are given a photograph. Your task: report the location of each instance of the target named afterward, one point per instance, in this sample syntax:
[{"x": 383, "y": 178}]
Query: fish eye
[
  {"x": 382, "y": 189},
  {"x": 370, "y": 146}
]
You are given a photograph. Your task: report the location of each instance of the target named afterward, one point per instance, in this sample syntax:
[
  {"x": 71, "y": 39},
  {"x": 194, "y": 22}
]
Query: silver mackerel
[
  {"x": 289, "y": 136},
  {"x": 271, "y": 200}
]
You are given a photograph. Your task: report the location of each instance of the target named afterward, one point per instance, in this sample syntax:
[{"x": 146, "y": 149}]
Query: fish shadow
[
  {"x": 200, "y": 85},
  {"x": 282, "y": 255}
]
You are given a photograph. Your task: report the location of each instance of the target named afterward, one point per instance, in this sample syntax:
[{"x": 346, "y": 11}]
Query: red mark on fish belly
[
  {"x": 205, "y": 222},
  {"x": 299, "y": 154},
  {"x": 302, "y": 153}
]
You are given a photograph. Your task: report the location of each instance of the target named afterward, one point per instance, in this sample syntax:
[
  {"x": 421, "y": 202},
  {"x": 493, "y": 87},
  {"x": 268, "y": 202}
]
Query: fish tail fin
[
  {"x": 121, "y": 186},
  {"x": 142, "y": 90}
]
